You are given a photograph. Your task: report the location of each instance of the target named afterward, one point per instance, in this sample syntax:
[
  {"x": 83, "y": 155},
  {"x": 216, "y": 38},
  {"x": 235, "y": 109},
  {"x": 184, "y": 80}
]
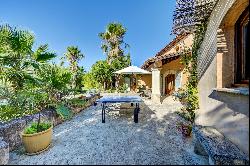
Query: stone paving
[{"x": 85, "y": 140}]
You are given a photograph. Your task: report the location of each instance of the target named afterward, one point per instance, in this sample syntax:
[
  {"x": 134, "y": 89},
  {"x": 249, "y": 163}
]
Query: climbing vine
[{"x": 189, "y": 96}]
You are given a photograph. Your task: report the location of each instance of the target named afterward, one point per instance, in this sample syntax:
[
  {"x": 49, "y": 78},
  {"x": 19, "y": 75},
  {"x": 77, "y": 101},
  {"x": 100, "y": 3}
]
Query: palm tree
[
  {"x": 74, "y": 55},
  {"x": 112, "y": 41},
  {"x": 19, "y": 63},
  {"x": 17, "y": 60}
]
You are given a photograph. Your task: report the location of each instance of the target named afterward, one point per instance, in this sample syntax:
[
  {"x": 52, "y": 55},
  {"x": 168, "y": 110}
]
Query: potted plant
[
  {"x": 185, "y": 129},
  {"x": 37, "y": 137}
]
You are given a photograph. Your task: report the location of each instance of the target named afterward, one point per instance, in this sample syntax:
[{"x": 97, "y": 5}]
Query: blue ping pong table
[{"x": 120, "y": 99}]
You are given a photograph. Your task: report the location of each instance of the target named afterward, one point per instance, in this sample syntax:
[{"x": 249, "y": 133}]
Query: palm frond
[{"x": 42, "y": 54}]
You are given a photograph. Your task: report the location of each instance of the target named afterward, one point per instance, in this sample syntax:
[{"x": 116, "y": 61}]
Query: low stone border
[
  {"x": 10, "y": 131},
  {"x": 4, "y": 152}
]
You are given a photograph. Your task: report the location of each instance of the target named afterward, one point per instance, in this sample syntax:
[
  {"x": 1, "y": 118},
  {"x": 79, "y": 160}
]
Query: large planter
[{"x": 38, "y": 142}]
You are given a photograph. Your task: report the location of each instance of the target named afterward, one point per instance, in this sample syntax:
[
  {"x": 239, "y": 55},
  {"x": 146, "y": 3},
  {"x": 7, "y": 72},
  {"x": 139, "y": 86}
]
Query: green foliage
[
  {"x": 120, "y": 62},
  {"x": 76, "y": 102},
  {"x": 54, "y": 80},
  {"x": 189, "y": 116},
  {"x": 102, "y": 73},
  {"x": 123, "y": 88},
  {"x": 42, "y": 54},
  {"x": 189, "y": 59},
  {"x": 8, "y": 112},
  {"x": 74, "y": 55},
  {"x": 111, "y": 90},
  {"x": 34, "y": 128},
  {"x": 23, "y": 102},
  {"x": 89, "y": 81},
  {"x": 5, "y": 92},
  {"x": 79, "y": 78},
  {"x": 113, "y": 40},
  {"x": 192, "y": 98},
  {"x": 28, "y": 82},
  {"x": 16, "y": 43},
  {"x": 63, "y": 111},
  {"x": 181, "y": 95},
  {"x": 28, "y": 99},
  {"x": 17, "y": 60}
]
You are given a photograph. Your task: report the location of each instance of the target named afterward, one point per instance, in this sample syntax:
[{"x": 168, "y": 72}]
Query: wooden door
[{"x": 169, "y": 83}]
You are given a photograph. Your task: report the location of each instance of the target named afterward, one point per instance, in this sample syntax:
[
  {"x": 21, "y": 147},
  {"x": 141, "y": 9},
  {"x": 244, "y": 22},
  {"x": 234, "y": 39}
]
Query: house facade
[
  {"x": 223, "y": 72},
  {"x": 167, "y": 71}
]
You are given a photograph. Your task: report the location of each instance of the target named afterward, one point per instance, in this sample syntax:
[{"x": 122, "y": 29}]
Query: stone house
[
  {"x": 223, "y": 72},
  {"x": 167, "y": 72}
]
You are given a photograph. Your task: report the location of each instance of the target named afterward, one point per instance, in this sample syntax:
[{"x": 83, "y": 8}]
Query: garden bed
[{"x": 10, "y": 131}]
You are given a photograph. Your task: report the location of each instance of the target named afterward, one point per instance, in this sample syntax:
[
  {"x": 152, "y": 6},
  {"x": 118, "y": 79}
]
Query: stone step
[{"x": 220, "y": 150}]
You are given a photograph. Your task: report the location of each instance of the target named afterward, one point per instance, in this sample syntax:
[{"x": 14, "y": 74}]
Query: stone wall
[
  {"x": 10, "y": 131},
  {"x": 227, "y": 112},
  {"x": 4, "y": 152}
]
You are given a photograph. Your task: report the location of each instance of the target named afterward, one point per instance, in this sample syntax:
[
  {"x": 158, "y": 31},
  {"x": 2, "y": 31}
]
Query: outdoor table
[{"x": 121, "y": 99}]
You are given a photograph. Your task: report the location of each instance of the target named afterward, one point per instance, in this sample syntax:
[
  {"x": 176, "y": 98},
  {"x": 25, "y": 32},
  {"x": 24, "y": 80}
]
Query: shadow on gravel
[{"x": 154, "y": 140}]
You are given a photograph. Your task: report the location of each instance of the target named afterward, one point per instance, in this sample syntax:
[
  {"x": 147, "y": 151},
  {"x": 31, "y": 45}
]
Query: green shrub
[
  {"x": 189, "y": 97},
  {"x": 123, "y": 88},
  {"x": 181, "y": 95},
  {"x": 187, "y": 115},
  {"x": 75, "y": 102},
  {"x": 110, "y": 90},
  {"x": 63, "y": 111},
  {"x": 8, "y": 112},
  {"x": 36, "y": 129}
]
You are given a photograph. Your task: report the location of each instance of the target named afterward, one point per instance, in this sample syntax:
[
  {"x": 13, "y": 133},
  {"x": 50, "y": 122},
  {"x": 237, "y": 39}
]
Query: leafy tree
[
  {"x": 113, "y": 46},
  {"x": 112, "y": 41},
  {"x": 88, "y": 81},
  {"x": 102, "y": 73},
  {"x": 121, "y": 62},
  {"x": 74, "y": 55},
  {"x": 17, "y": 60},
  {"x": 118, "y": 64},
  {"x": 79, "y": 77},
  {"x": 28, "y": 82},
  {"x": 54, "y": 80}
]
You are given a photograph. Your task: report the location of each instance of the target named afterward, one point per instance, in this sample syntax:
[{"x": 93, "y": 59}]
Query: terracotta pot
[
  {"x": 38, "y": 142},
  {"x": 186, "y": 130}
]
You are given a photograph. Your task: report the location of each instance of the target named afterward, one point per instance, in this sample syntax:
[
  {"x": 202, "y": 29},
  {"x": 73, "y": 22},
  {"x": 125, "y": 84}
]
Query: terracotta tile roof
[
  {"x": 170, "y": 45},
  {"x": 160, "y": 55}
]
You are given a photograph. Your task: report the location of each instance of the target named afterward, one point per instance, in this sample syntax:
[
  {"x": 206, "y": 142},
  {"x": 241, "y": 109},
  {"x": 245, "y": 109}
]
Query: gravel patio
[{"x": 85, "y": 140}]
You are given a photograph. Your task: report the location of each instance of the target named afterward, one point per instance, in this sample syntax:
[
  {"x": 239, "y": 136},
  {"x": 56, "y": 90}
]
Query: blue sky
[{"x": 62, "y": 23}]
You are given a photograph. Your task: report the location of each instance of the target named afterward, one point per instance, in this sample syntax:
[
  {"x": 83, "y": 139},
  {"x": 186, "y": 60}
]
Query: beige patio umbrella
[{"x": 132, "y": 70}]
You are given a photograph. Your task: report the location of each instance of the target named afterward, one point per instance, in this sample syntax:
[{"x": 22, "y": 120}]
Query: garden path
[{"x": 85, "y": 140}]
